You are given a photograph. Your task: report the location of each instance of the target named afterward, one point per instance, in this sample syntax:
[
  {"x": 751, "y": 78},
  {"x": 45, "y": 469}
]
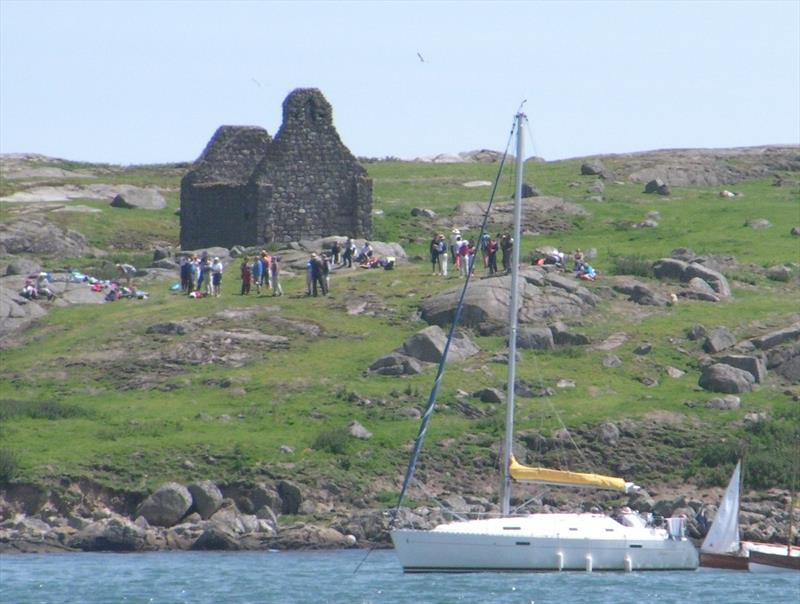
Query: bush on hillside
[
  {"x": 11, "y": 408},
  {"x": 9, "y": 465},
  {"x": 771, "y": 459},
  {"x": 632, "y": 265},
  {"x": 332, "y": 440},
  {"x": 624, "y": 225}
]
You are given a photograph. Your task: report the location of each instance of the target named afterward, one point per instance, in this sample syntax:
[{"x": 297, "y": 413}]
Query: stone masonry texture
[{"x": 248, "y": 189}]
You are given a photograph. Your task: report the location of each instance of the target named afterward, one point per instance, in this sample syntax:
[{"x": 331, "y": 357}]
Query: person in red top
[
  {"x": 247, "y": 276},
  {"x": 491, "y": 253}
]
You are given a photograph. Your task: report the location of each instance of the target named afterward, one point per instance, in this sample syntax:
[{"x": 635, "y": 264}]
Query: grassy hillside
[{"x": 83, "y": 392}]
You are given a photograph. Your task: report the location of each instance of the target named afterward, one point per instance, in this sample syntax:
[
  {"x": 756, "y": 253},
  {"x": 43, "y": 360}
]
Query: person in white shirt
[{"x": 216, "y": 276}]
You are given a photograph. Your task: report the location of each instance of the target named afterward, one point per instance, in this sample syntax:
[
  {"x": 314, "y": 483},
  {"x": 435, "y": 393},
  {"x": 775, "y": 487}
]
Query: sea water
[{"x": 244, "y": 577}]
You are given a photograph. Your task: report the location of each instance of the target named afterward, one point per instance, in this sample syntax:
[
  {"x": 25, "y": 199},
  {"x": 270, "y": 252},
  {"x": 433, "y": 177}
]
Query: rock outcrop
[
  {"x": 41, "y": 238},
  {"x": 641, "y": 293},
  {"x": 674, "y": 269},
  {"x": 114, "y": 534},
  {"x": 139, "y": 198},
  {"x": 396, "y": 363},
  {"x": 544, "y": 298},
  {"x": 206, "y": 498},
  {"x": 782, "y": 350},
  {"x": 657, "y": 186},
  {"x": 536, "y": 338},
  {"x": 727, "y": 379},
  {"x": 718, "y": 340},
  {"x": 167, "y": 505},
  {"x": 754, "y": 365},
  {"x": 428, "y": 346},
  {"x": 595, "y": 167}
]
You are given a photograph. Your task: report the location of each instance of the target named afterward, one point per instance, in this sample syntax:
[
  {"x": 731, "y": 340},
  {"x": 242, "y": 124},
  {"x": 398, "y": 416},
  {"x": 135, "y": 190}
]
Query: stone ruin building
[{"x": 249, "y": 189}]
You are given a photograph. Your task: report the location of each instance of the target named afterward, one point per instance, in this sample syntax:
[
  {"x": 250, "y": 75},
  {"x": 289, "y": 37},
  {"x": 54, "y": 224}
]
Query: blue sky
[{"x": 150, "y": 81}]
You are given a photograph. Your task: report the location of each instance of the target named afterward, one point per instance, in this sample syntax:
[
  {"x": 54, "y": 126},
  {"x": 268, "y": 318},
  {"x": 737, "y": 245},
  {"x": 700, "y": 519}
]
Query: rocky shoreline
[{"x": 282, "y": 515}]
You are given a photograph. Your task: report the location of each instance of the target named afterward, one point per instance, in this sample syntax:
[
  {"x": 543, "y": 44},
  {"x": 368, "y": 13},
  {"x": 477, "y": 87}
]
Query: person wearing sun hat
[
  {"x": 318, "y": 276},
  {"x": 455, "y": 241},
  {"x": 442, "y": 243}
]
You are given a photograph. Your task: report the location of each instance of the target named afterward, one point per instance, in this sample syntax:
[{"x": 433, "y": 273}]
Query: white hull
[{"x": 541, "y": 542}]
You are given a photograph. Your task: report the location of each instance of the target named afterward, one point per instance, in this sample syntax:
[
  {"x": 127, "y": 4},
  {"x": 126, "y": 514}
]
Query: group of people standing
[
  {"x": 263, "y": 272},
  {"x": 463, "y": 252},
  {"x": 318, "y": 274},
  {"x": 201, "y": 275}
]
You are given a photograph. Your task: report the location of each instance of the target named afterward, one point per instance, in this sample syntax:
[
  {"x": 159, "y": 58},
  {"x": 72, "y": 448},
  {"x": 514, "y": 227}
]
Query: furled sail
[
  {"x": 723, "y": 536},
  {"x": 564, "y": 478}
]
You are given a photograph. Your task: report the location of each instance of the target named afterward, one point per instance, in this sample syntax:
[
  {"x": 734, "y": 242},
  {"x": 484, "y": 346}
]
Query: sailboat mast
[{"x": 505, "y": 490}]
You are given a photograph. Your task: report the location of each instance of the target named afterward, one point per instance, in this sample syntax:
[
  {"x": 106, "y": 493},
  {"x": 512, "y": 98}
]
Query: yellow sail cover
[{"x": 561, "y": 477}]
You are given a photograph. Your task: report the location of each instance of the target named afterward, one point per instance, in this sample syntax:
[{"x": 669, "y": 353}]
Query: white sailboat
[
  {"x": 722, "y": 547},
  {"x": 539, "y": 542}
]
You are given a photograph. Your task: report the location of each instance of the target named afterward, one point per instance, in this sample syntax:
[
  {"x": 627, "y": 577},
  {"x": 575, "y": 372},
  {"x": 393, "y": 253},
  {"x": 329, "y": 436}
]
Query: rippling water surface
[{"x": 240, "y": 577}]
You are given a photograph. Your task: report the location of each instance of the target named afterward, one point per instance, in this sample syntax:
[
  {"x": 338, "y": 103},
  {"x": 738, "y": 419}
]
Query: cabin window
[{"x": 511, "y": 528}]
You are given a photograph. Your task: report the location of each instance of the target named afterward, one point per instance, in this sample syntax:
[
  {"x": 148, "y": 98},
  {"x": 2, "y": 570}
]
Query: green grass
[{"x": 64, "y": 413}]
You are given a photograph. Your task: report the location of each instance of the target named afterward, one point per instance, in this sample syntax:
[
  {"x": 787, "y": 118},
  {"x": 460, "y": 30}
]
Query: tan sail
[{"x": 561, "y": 477}]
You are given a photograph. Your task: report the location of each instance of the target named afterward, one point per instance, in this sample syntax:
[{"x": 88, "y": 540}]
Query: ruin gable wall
[
  {"x": 318, "y": 186},
  {"x": 247, "y": 189}
]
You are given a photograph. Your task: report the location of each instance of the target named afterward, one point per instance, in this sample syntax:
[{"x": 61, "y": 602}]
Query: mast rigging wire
[{"x": 431, "y": 405}]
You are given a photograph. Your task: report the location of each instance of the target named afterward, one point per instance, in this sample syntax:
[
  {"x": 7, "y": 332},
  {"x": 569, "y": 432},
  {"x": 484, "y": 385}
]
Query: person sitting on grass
[
  {"x": 587, "y": 273},
  {"x": 42, "y": 282},
  {"x": 365, "y": 254},
  {"x": 29, "y": 292}
]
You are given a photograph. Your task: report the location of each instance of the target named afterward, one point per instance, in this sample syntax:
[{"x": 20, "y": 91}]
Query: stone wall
[
  {"x": 218, "y": 215},
  {"x": 215, "y": 209},
  {"x": 246, "y": 189},
  {"x": 230, "y": 156}
]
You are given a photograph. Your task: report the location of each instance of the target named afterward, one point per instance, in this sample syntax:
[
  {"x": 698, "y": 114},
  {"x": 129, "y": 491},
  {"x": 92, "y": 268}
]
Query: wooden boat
[
  {"x": 724, "y": 561},
  {"x": 722, "y": 547},
  {"x": 771, "y": 557}
]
